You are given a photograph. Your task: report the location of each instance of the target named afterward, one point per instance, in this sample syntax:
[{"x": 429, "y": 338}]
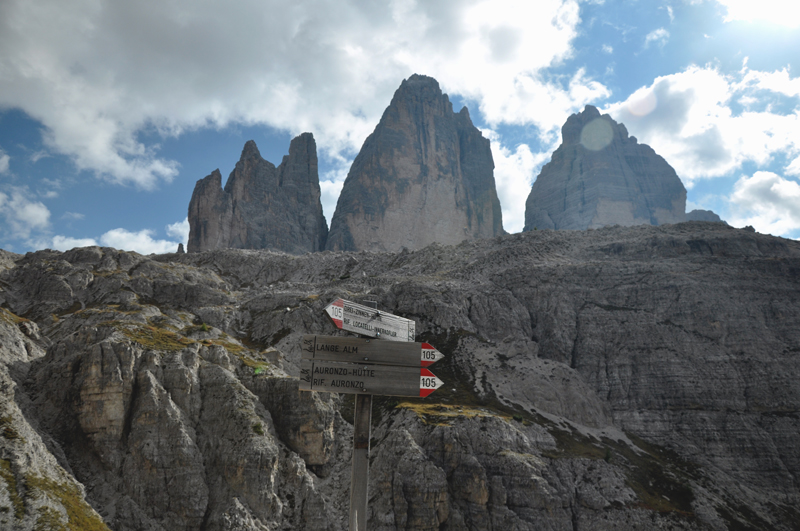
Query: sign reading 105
[
  {"x": 428, "y": 355},
  {"x": 427, "y": 382}
]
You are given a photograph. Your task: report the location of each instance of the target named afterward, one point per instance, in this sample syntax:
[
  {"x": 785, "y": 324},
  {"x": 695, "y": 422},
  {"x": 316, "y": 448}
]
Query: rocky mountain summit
[
  {"x": 600, "y": 176},
  {"x": 641, "y": 377},
  {"x": 261, "y": 206},
  {"x": 703, "y": 215},
  {"x": 424, "y": 175}
]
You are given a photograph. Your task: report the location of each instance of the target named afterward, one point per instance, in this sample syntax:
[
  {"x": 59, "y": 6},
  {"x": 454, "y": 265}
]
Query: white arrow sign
[
  {"x": 428, "y": 383},
  {"x": 370, "y": 322}
]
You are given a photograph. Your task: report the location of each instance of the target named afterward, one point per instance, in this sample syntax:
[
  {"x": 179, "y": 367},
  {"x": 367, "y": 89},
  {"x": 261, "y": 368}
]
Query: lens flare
[
  {"x": 642, "y": 104},
  {"x": 597, "y": 134}
]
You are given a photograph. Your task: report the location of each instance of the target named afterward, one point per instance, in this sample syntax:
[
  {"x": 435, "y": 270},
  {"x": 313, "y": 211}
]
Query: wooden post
[
  {"x": 362, "y": 421},
  {"x": 359, "y": 480}
]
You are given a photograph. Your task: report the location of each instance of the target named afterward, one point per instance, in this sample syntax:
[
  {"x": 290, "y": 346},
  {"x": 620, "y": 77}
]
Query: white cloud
[
  {"x": 330, "y": 190},
  {"x": 779, "y": 81},
  {"x": 179, "y": 230},
  {"x": 142, "y": 241},
  {"x": 22, "y": 213},
  {"x": 607, "y": 48},
  {"x": 794, "y": 167},
  {"x": 64, "y": 243},
  {"x": 780, "y": 12},
  {"x": 768, "y": 202},
  {"x": 73, "y": 216},
  {"x": 659, "y": 37},
  {"x": 4, "y": 159},
  {"x": 687, "y": 118},
  {"x": 514, "y": 172},
  {"x": 96, "y": 73},
  {"x": 139, "y": 241}
]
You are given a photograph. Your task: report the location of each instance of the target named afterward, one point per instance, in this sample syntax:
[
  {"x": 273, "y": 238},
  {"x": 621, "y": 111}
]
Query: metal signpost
[{"x": 366, "y": 367}]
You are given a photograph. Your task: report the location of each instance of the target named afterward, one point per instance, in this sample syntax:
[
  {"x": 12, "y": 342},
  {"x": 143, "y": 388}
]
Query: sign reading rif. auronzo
[{"x": 363, "y": 378}]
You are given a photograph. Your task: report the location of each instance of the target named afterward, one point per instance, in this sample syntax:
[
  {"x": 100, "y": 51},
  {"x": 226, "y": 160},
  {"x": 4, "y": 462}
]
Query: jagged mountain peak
[
  {"x": 261, "y": 206},
  {"x": 424, "y": 175},
  {"x": 600, "y": 176}
]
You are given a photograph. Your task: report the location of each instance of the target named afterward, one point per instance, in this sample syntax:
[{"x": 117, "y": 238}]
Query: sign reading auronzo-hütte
[
  {"x": 364, "y": 378},
  {"x": 374, "y": 351},
  {"x": 367, "y": 321}
]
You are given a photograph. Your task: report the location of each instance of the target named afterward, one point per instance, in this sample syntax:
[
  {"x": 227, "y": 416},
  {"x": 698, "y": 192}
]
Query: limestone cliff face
[
  {"x": 424, "y": 175},
  {"x": 624, "y": 378},
  {"x": 601, "y": 176},
  {"x": 261, "y": 207}
]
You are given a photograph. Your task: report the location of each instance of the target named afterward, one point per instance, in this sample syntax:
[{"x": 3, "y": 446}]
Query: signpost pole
[
  {"x": 362, "y": 420},
  {"x": 362, "y": 427}
]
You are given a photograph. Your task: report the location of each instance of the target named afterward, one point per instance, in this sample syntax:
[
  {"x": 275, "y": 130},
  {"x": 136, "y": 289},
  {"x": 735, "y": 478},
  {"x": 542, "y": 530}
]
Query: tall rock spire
[
  {"x": 261, "y": 207},
  {"x": 424, "y": 175},
  {"x": 601, "y": 176}
]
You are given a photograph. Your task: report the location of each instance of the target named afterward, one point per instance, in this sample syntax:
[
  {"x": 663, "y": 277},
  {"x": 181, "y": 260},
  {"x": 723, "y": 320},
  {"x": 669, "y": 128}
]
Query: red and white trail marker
[{"x": 428, "y": 383}]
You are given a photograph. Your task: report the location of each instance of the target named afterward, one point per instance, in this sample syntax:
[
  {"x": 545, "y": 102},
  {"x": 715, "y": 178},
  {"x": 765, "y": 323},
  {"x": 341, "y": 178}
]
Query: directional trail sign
[
  {"x": 359, "y": 350},
  {"x": 353, "y": 317},
  {"x": 352, "y": 378},
  {"x": 366, "y": 367}
]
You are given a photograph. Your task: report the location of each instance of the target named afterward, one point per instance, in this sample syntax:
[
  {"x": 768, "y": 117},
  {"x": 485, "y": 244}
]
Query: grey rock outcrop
[
  {"x": 261, "y": 207},
  {"x": 424, "y": 175},
  {"x": 600, "y": 176},
  {"x": 620, "y": 378},
  {"x": 703, "y": 215}
]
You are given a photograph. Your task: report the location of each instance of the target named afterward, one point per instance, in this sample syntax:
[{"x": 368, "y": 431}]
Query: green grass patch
[
  {"x": 80, "y": 516},
  {"x": 11, "y": 318},
  {"x": 49, "y": 520},
  {"x": 443, "y": 414},
  {"x": 154, "y": 338},
  {"x": 258, "y": 429},
  {"x": 13, "y": 491}
]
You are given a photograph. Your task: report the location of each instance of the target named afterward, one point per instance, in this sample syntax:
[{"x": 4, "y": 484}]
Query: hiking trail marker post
[{"x": 367, "y": 367}]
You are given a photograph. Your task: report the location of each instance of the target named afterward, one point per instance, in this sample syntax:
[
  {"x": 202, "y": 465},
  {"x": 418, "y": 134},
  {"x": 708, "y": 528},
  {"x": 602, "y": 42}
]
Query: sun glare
[{"x": 781, "y": 12}]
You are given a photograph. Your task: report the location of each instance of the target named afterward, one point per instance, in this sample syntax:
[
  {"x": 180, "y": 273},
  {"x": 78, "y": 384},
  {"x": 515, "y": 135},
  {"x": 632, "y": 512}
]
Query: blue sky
[{"x": 111, "y": 111}]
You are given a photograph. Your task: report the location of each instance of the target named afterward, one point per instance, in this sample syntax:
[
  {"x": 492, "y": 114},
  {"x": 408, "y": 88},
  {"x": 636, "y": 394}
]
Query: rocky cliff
[
  {"x": 703, "y": 215},
  {"x": 600, "y": 176},
  {"x": 424, "y": 175},
  {"x": 621, "y": 378},
  {"x": 261, "y": 207}
]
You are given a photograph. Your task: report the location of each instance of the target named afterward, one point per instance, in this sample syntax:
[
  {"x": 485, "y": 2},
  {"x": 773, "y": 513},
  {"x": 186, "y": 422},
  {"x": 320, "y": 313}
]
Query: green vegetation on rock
[{"x": 81, "y": 517}]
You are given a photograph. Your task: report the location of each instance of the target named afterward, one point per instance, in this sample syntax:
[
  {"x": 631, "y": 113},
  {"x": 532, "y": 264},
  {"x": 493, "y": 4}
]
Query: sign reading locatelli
[{"x": 370, "y": 322}]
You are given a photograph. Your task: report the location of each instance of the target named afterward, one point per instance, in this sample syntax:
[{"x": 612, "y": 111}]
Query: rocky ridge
[
  {"x": 703, "y": 215},
  {"x": 602, "y": 379},
  {"x": 424, "y": 175},
  {"x": 261, "y": 206},
  {"x": 600, "y": 176}
]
